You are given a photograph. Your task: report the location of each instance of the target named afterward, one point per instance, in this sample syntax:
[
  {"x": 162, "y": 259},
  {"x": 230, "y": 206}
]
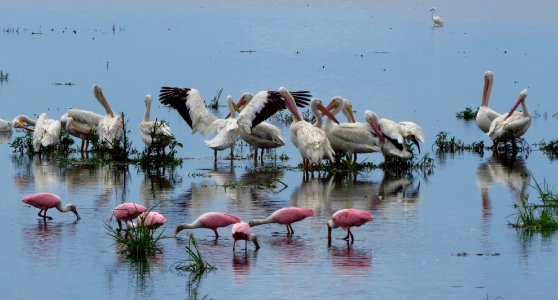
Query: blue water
[{"x": 383, "y": 56}]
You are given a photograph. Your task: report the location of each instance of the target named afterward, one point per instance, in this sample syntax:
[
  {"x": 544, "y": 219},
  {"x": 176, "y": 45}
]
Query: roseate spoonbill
[
  {"x": 5, "y": 126},
  {"x": 310, "y": 140},
  {"x": 44, "y": 201},
  {"x": 150, "y": 220},
  {"x": 285, "y": 216},
  {"x": 486, "y": 115},
  {"x": 210, "y": 220},
  {"x": 46, "y": 133},
  {"x": 242, "y": 231},
  {"x": 189, "y": 103},
  {"x": 393, "y": 135},
  {"x": 349, "y": 137},
  {"x": 154, "y": 133},
  {"x": 347, "y": 218},
  {"x": 438, "y": 21},
  {"x": 81, "y": 124},
  {"x": 111, "y": 127},
  {"x": 127, "y": 211},
  {"x": 513, "y": 124}
]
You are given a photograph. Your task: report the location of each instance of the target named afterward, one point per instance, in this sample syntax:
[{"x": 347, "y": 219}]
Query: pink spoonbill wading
[
  {"x": 210, "y": 220},
  {"x": 44, "y": 201},
  {"x": 285, "y": 216},
  {"x": 242, "y": 231},
  {"x": 347, "y": 218},
  {"x": 127, "y": 212},
  {"x": 150, "y": 220}
]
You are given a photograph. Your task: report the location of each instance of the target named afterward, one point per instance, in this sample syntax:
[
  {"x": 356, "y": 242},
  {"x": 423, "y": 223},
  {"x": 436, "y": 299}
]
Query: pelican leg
[
  {"x": 82, "y": 144},
  {"x": 256, "y": 157},
  {"x": 354, "y": 157},
  {"x": 215, "y": 155}
]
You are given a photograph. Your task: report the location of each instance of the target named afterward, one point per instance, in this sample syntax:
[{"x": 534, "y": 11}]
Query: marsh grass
[
  {"x": 194, "y": 262},
  {"x": 137, "y": 243},
  {"x": 23, "y": 144},
  {"x": 157, "y": 156},
  {"x": 540, "y": 216},
  {"x": 467, "y": 114},
  {"x": 513, "y": 146},
  {"x": 3, "y": 76}
]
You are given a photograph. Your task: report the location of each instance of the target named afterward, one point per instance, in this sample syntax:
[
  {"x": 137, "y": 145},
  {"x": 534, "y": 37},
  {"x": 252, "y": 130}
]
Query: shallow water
[{"x": 382, "y": 56}]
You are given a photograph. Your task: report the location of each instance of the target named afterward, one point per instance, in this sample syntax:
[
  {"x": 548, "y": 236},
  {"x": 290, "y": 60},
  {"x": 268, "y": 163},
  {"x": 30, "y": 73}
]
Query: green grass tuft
[
  {"x": 468, "y": 114},
  {"x": 194, "y": 262},
  {"x": 540, "y": 216},
  {"x": 137, "y": 243}
]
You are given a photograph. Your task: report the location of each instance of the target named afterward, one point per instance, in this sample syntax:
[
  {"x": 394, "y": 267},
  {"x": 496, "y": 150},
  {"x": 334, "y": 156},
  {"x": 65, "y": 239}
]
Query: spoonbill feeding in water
[
  {"x": 242, "y": 231},
  {"x": 285, "y": 216},
  {"x": 347, "y": 218},
  {"x": 210, "y": 220},
  {"x": 44, "y": 201},
  {"x": 127, "y": 211}
]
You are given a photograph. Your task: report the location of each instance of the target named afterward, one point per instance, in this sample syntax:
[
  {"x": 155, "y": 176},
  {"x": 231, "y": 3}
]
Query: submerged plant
[
  {"x": 468, "y": 114},
  {"x": 214, "y": 104},
  {"x": 550, "y": 149},
  {"x": 23, "y": 144},
  {"x": 452, "y": 145},
  {"x": 194, "y": 262},
  {"x": 137, "y": 243}
]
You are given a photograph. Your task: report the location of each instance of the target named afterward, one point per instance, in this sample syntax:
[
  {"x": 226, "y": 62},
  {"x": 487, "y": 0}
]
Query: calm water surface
[{"x": 383, "y": 56}]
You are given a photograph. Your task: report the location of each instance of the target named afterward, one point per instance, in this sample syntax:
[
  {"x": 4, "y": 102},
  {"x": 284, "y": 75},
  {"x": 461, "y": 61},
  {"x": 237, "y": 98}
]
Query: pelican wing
[
  {"x": 87, "y": 118},
  {"x": 352, "y": 134},
  {"x": 265, "y": 104},
  {"x": 410, "y": 129},
  {"x": 391, "y": 132},
  {"x": 515, "y": 126},
  {"x": 226, "y": 136},
  {"x": 52, "y": 133},
  {"x": 189, "y": 104}
]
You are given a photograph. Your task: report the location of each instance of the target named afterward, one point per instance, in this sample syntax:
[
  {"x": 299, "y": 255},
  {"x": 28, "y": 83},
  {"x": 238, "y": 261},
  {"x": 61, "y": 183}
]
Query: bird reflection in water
[
  {"x": 46, "y": 238},
  {"x": 241, "y": 262},
  {"x": 351, "y": 261}
]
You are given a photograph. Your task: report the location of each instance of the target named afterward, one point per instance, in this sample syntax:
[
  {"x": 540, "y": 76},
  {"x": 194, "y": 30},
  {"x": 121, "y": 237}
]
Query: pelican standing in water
[
  {"x": 46, "y": 133},
  {"x": 438, "y": 21},
  {"x": 393, "y": 135},
  {"x": 310, "y": 140},
  {"x": 512, "y": 125},
  {"x": 485, "y": 115},
  {"x": 350, "y": 137},
  {"x": 153, "y": 133},
  {"x": 81, "y": 124},
  {"x": 111, "y": 127},
  {"x": 5, "y": 126}
]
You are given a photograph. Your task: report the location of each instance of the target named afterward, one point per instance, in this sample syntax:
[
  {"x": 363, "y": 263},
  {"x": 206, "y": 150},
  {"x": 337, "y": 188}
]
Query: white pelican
[
  {"x": 153, "y": 133},
  {"x": 46, "y": 133},
  {"x": 111, "y": 127},
  {"x": 23, "y": 122},
  {"x": 513, "y": 124},
  {"x": 310, "y": 140},
  {"x": 262, "y": 136},
  {"x": 81, "y": 124},
  {"x": 350, "y": 137},
  {"x": 394, "y": 135},
  {"x": 485, "y": 115},
  {"x": 438, "y": 21},
  {"x": 5, "y": 126},
  {"x": 191, "y": 107}
]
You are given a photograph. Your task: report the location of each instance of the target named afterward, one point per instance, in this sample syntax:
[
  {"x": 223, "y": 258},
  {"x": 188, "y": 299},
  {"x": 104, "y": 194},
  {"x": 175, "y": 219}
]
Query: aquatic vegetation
[
  {"x": 550, "y": 149},
  {"x": 63, "y": 83},
  {"x": 397, "y": 166},
  {"x": 118, "y": 150},
  {"x": 137, "y": 243},
  {"x": 468, "y": 114},
  {"x": 512, "y": 146},
  {"x": 23, "y": 144},
  {"x": 194, "y": 262},
  {"x": 453, "y": 145},
  {"x": 538, "y": 216},
  {"x": 156, "y": 156},
  {"x": 214, "y": 104}
]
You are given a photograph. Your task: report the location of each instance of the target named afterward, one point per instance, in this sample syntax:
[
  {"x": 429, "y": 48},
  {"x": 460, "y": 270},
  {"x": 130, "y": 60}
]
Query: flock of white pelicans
[{"x": 246, "y": 120}]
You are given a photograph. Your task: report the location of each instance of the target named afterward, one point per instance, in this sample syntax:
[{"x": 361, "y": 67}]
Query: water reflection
[
  {"x": 350, "y": 261},
  {"x": 43, "y": 240},
  {"x": 157, "y": 186},
  {"x": 141, "y": 282},
  {"x": 510, "y": 172},
  {"x": 241, "y": 263}
]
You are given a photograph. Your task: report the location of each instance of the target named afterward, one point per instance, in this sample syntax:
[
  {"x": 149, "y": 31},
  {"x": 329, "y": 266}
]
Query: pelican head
[
  {"x": 317, "y": 104},
  {"x": 245, "y": 98},
  {"x": 348, "y": 110},
  {"x": 335, "y": 104},
  {"x": 372, "y": 119},
  {"x": 98, "y": 93},
  {"x": 23, "y": 121},
  {"x": 520, "y": 99},
  {"x": 147, "y": 100}
]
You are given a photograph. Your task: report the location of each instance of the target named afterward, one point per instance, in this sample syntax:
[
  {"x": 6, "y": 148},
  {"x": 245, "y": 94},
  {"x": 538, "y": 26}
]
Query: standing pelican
[
  {"x": 153, "y": 133},
  {"x": 46, "y": 133},
  {"x": 394, "y": 135},
  {"x": 111, "y": 127},
  {"x": 485, "y": 115},
  {"x": 438, "y": 21},
  {"x": 81, "y": 124},
  {"x": 5, "y": 126},
  {"x": 350, "y": 137},
  {"x": 513, "y": 124},
  {"x": 310, "y": 140}
]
